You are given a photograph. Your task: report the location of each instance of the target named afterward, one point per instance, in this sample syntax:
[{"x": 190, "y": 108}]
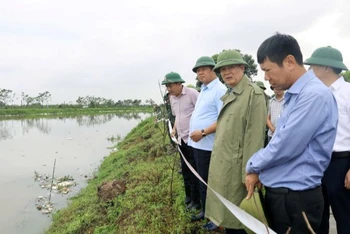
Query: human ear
[{"x": 289, "y": 62}]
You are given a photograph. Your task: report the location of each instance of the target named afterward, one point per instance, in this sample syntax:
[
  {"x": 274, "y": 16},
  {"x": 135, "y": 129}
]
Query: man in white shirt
[{"x": 327, "y": 64}]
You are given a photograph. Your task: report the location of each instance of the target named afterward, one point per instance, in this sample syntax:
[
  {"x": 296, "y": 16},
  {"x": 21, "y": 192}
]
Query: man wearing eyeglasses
[{"x": 240, "y": 133}]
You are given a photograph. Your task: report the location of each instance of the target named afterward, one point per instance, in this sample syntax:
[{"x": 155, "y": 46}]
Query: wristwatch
[{"x": 203, "y": 133}]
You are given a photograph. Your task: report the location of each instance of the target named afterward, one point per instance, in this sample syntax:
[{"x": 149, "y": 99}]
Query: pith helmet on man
[
  {"x": 229, "y": 57},
  {"x": 204, "y": 61},
  {"x": 327, "y": 56},
  {"x": 172, "y": 77}
]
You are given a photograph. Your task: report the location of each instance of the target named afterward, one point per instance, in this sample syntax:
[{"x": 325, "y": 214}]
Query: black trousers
[
  {"x": 202, "y": 159},
  {"x": 284, "y": 208},
  {"x": 190, "y": 180},
  {"x": 235, "y": 231},
  {"x": 336, "y": 196}
]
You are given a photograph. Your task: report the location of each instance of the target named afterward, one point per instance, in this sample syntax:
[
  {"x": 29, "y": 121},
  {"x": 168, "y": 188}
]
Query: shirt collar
[
  {"x": 337, "y": 84},
  {"x": 300, "y": 83},
  {"x": 210, "y": 85},
  {"x": 274, "y": 97}
]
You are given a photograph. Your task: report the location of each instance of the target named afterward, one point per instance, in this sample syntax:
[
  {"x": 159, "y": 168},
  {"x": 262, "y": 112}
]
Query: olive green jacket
[{"x": 240, "y": 133}]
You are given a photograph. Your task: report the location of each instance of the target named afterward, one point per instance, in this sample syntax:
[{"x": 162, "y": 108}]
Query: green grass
[
  {"x": 153, "y": 201},
  {"x": 37, "y": 112}
]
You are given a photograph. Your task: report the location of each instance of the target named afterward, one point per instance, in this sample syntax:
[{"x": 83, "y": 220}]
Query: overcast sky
[{"x": 121, "y": 49}]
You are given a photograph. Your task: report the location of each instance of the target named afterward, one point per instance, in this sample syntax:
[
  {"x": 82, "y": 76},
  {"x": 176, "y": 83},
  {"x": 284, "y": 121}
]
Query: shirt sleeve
[
  {"x": 296, "y": 129},
  {"x": 194, "y": 97},
  {"x": 171, "y": 99},
  {"x": 218, "y": 101}
]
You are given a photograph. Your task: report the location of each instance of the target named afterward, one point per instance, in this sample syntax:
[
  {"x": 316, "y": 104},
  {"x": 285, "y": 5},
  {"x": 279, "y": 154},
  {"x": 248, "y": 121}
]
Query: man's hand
[
  {"x": 196, "y": 135},
  {"x": 347, "y": 180},
  {"x": 251, "y": 180}
]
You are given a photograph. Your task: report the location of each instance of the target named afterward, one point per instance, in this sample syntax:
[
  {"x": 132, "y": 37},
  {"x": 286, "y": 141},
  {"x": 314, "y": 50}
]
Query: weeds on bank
[{"x": 153, "y": 201}]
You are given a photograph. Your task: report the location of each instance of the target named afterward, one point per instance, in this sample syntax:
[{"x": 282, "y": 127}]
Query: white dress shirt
[{"x": 341, "y": 91}]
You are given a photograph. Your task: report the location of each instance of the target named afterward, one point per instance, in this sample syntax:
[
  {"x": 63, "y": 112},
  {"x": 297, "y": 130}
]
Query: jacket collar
[{"x": 238, "y": 89}]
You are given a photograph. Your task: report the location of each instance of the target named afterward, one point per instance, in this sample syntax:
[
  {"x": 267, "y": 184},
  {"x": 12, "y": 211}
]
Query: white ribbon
[{"x": 245, "y": 218}]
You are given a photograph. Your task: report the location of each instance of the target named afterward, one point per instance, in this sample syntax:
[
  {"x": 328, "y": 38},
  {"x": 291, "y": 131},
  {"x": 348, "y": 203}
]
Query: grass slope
[{"x": 150, "y": 204}]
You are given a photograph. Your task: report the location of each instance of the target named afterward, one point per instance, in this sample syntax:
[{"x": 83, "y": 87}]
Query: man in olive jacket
[{"x": 239, "y": 134}]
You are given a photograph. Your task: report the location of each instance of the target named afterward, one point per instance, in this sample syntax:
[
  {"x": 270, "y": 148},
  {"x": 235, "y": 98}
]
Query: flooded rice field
[{"x": 28, "y": 149}]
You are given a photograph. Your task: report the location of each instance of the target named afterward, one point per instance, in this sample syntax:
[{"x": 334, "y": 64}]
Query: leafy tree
[
  {"x": 44, "y": 97},
  {"x": 346, "y": 75},
  {"x": 136, "y": 102},
  {"x": 81, "y": 101},
  {"x": 6, "y": 96},
  {"x": 150, "y": 102},
  {"x": 191, "y": 86}
]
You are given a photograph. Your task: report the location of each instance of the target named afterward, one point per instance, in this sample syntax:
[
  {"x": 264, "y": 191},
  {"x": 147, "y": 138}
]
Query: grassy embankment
[
  {"x": 153, "y": 201},
  {"x": 30, "y": 112}
]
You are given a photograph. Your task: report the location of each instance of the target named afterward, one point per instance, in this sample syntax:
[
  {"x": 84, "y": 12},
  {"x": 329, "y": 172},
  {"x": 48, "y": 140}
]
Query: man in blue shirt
[
  {"x": 292, "y": 164},
  {"x": 203, "y": 123}
]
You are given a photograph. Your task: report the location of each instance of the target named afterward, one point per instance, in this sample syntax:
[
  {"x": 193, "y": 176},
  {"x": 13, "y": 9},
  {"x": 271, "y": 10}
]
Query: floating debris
[
  {"x": 60, "y": 185},
  {"x": 42, "y": 204}
]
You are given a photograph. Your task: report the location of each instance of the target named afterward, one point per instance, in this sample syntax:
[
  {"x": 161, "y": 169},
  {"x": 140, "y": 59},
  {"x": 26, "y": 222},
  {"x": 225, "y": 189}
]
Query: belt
[
  {"x": 282, "y": 190},
  {"x": 343, "y": 154}
]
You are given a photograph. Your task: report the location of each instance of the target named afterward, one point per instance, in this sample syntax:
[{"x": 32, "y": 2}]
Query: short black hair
[
  {"x": 336, "y": 70},
  {"x": 278, "y": 47}
]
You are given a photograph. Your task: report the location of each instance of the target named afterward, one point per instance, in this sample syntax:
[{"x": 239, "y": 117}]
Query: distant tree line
[
  {"x": 92, "y": 101},
  {"x": 8, "y": 98}
]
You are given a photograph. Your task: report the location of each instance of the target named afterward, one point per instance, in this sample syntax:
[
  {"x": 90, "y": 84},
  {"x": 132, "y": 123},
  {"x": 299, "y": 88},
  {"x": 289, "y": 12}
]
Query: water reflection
[
  {"x": 91, "y": 120},
  {"x": 40, "y": 123},
  {"x": 43, "y": 125},
  {"x": 5, "y": 130}
]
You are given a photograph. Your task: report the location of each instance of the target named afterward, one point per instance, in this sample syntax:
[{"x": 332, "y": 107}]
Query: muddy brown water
[{"x": 78, "y": 144}]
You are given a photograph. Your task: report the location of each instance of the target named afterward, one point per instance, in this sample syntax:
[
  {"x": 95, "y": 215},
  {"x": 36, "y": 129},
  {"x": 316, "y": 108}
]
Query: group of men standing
[{"x": 221, "y": 132}]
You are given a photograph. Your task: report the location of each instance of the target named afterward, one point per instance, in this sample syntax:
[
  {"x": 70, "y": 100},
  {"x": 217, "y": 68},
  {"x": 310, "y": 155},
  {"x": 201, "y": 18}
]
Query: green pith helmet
[
  {"x": 204, "y": 61},
  {"x": 260, "y": 84},
  {"x": 254, "y": 207},
  {"x": 229, "y": 57},
  {"x": 327, "y": 56},
  {"x": 172, "y": 77}
]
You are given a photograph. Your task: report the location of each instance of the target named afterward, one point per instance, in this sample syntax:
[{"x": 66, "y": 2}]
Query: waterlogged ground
[{"x": 31, "y": 145}]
